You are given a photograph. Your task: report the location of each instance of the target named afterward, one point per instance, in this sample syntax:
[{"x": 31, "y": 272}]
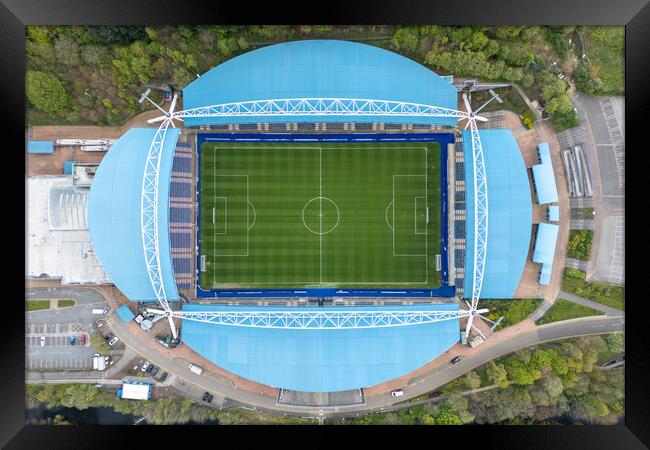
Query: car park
[
  {"x": 113, "y": 340},
  {"x": 145, "y": 366},
  {"x": 73, "y": 340},
  {"x": 456, "y": 360},
  {"x": 397, "y": 393},
  {"x": 163, "y": 377}
]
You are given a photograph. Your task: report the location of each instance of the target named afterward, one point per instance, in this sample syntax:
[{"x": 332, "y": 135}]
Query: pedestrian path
[{"x": 608, "y": 310}]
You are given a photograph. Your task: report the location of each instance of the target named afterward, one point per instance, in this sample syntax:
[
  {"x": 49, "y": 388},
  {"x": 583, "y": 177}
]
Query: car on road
[
  {"x": 456, "y": 360},
  {"x": 144, "y": 366},
  {"x": 82, "y": 339},
  {"x": 113, "y": 341},
  {"x": 154, "y": 371},
  {"x": 163, "y": 377},
  {"x": 42, "y": 341},
  {"x": 73, "y": 340},
  {"x": 397, "y": 393},
  {"x": 207, "y": 397}
]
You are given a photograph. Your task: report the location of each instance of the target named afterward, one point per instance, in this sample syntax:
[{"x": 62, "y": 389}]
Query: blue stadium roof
[
  {"x": 321, "y": 360},
  {"x": 545, "y": 243},
  {"x": 114, "y": 213},
  {"x": 545, "y": 183},
  {"x": 321, "y": 69},
  {"x": 509, "y": 213},
  {"x": 554, "y": 213},
  {"x": 40, "y": 147}
]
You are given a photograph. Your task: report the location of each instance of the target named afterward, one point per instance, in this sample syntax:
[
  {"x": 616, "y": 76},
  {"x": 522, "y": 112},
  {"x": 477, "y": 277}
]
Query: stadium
[{"x": 327, "y": 218}]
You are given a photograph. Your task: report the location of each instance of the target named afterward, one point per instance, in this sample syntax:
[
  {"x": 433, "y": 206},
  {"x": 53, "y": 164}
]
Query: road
[{"x": 428, "y": 383}]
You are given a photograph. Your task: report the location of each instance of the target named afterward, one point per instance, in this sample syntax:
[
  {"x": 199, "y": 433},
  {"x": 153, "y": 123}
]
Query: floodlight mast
[{"x": 317, "y": 107}]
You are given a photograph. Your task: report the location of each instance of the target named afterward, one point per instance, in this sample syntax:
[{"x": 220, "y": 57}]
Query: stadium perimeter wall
[{"x": 444, "y": 139}]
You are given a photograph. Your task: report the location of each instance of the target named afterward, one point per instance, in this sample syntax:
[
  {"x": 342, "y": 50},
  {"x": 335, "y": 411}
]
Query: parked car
[
  {"x": 456, "y": 360},
  {"x": 154, "y": 371},
  {"x": 397, "y": 393},
  {"x": 163, "y": 377},
  {"x": 144, "y": 366},
  {"x": 42, "y": 341},
  {"x": 207, "y": 397},
  {"x": 108, "y": 337},
  {"x": 99, "y": 323},
  {"x": 113, "y": 340},
  {"x": 82, "y": 339},
  {"x": 73, "y": 340},
  {"x": 150, "y": 368},
  {"x": 167, "y": 97}
]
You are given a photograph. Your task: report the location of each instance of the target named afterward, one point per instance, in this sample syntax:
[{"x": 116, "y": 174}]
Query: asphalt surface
[
  {"x": 57, "y": 325},
  {"x": 604, "y": 125},
  {"x": 440, "y": 376}
]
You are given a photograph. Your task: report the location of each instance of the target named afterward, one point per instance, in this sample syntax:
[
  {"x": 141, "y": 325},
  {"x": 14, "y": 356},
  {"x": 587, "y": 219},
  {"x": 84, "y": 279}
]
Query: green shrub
[{"x": 580, "y": 244}]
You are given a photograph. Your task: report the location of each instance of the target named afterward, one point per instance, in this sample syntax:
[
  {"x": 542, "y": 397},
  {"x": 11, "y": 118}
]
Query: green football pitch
[{"x": 363, "y": 215}]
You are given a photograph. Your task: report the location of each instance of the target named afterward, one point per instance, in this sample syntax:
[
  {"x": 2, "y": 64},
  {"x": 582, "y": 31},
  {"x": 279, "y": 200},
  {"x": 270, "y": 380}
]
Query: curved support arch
[
  {"x": 319, "y": 319},
  {"x": 318, "y": 107}
]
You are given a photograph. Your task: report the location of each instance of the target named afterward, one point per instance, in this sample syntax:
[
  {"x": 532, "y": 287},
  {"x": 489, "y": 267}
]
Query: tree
[
  {"x": 497, "y": 374},
  {"x": 46, "y": 92},
  {"x": 406, "y": 39},
  {"x": 520, "y": 372},
  {"x": 616, "y": 342},
  {"x": 67, "y": 51},
  {"x": 460, "y": 406},
  {"x": 552, "y": 385},
  {"x": 446, "y": 416},
  {"x": 113, "y": 34},
  {"x": 472, "y": 380}
]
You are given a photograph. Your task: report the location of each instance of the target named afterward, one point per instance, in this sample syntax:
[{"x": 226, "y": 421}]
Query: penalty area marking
[
  {"x": 254, "y": 215},
  {"x": 386, "y": 215}
]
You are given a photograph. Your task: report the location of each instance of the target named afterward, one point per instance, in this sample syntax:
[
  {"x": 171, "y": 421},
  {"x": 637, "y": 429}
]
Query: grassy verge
[
  {"x": 513, "y": 311},
  {"x": 65, "y": 303},
  {"x": 605, "y": 49},
  {"x": 565, "y": 310},
  {"x": 579, "y": 246},
  {"x": 606, "y": 294},
  {"x": 35, "y": 305},
  {"x": 99, "y": 344}
]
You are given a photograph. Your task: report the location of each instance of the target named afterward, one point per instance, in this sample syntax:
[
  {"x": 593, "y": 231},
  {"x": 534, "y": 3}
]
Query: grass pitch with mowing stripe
[{"x": 309, "y": 215}]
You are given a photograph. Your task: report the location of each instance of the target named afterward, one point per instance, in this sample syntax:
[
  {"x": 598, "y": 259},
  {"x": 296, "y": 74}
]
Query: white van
[
  {"x": 196, "y": 369},
  {"x": 397, "y": 393},
  {"x": 100, "y": 311}
]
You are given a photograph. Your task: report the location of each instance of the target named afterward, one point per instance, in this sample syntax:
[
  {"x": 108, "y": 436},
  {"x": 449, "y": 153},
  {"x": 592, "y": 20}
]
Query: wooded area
[{"x": 95, "y": 74}]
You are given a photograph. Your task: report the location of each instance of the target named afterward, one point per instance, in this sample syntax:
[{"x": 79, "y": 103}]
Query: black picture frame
[{"x": 15, "y": 14}]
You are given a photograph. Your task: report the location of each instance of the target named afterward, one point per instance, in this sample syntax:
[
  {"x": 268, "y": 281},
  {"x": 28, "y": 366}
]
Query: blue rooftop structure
[
  {"x": 67, "y": 167},
  {"x": 544, "y": 153},
  {"x": 554, "y": 213},
  {"x": 544, "y": 180},
  {"x": 509, "y": 213},
  {"x": 114, "y": 204},
  {"x": 321, "y": 360},
  {"x": 44, "y": 147},
  {"x": 125, "y": 313},
  {"x": 545, "y": 274},
  {"x": 545, "y": 243},
  {"x": 320, "y": 69}
]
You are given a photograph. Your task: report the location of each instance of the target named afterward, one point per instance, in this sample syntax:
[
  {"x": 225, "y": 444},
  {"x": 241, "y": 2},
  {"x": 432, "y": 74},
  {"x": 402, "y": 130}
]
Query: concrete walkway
[{"x": 608, "y": 310}]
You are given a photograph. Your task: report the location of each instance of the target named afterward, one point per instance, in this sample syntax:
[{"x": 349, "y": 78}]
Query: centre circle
[{"x": 320, "y": 215}]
